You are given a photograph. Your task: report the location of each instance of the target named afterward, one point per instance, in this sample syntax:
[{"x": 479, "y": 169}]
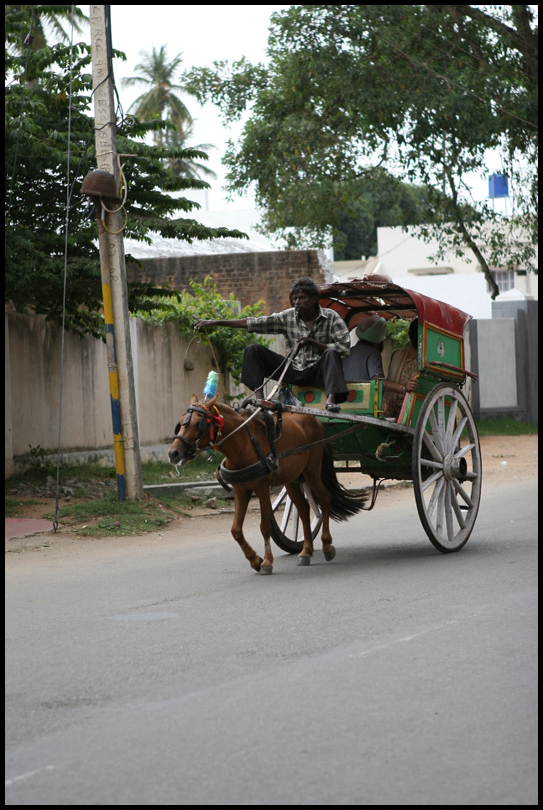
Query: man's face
[{"x": 302, "y": 302}]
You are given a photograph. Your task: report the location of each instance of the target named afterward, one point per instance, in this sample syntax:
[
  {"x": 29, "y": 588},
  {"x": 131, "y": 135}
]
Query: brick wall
[{"x": 250, "y": 276}]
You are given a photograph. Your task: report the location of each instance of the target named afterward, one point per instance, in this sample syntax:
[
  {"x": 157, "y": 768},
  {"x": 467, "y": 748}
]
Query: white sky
[{"x": 204, "y": 34}]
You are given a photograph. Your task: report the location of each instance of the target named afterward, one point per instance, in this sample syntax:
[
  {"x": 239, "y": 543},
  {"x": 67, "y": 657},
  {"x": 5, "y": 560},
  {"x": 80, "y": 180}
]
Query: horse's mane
[{"x": 229, "y": 411}]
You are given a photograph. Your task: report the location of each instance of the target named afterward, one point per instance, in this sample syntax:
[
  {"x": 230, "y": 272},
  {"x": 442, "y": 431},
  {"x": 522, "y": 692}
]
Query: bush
[{"x": 206, "y": 302}]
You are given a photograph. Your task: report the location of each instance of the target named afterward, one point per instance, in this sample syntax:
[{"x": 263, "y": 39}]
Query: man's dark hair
[{"x": 307, "y": 285}]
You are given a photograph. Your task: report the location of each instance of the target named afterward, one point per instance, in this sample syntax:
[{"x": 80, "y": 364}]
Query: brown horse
[{"x": 245, "y": 443}]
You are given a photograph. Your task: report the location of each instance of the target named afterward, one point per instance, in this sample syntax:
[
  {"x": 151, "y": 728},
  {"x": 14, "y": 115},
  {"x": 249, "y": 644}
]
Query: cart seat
[{"x": 364, "y": 398}]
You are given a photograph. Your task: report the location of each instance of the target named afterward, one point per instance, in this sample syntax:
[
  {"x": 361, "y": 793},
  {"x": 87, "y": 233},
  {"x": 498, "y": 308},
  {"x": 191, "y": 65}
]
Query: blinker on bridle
[{"x": 209, "y": 423}]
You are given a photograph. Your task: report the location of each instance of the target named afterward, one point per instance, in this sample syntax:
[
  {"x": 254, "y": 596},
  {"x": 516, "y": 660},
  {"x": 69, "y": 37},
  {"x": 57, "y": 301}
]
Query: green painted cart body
[{"x": 433, "y": 442}]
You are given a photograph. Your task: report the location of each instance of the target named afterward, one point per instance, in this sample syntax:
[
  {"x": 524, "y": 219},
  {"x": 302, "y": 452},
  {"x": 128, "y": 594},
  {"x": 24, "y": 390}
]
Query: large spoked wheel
[
  {"x": 447, "y": 468},
  {"x": 286, "y": 526}
]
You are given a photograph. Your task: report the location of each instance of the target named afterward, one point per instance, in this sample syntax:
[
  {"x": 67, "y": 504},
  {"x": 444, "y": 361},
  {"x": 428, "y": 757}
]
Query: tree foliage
[
  {"x": 206, "y": 302},
  {"x": 49, "y": 146},
  {"x": 424, "y": 91},
  {"x": 380, "y": 200}
]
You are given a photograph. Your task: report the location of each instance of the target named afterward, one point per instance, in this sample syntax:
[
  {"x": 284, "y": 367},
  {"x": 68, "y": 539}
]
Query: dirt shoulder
[{"x": 506, "y": 459}]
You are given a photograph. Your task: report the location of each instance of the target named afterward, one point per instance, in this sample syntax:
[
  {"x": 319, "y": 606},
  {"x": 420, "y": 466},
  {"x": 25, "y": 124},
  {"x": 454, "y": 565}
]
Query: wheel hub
[{"x": 454, "y": 467}]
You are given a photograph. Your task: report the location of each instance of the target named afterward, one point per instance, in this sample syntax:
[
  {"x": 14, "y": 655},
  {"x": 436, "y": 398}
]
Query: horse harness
[
  {"x": 209, "y": 424},
  {"x": 266, "y": 465}
]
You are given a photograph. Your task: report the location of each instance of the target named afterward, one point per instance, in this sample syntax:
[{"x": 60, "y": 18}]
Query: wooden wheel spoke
[
  {"x": 436, "y": 465},
  {"x": 431, "y": 480},
  {"x": 279, "y": 500},
  {"x": 457, "y": 510},
  {"x": 435, "y": 495},
  {"x": 447, "y": 481},
  {"x": 463, "y": 450},
  {"x": 463, "y": 494},
  {"x": 448, "y": 511},
  {"x": 441, "y": 420},
  {"x": 440, "y": 504},
  {"x": 436, "y": 434},
  {"x": 286, "y": 515},
  {"x": 433, "y": 447},
  {"x": 458, "y": 431},
  {"x": 451, "y": 423}
]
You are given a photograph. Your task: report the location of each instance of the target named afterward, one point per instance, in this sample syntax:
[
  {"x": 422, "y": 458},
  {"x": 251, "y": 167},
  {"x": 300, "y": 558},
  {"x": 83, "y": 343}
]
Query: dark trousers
[{"x": 261, "y": 363}]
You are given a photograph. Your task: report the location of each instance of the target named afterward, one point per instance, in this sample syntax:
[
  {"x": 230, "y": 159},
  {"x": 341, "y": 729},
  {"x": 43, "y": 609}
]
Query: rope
[{"x": 68, "y": 198}]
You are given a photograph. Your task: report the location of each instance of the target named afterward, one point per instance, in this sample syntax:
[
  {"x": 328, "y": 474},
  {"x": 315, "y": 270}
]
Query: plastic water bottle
[{"x": 210, "y": 388}]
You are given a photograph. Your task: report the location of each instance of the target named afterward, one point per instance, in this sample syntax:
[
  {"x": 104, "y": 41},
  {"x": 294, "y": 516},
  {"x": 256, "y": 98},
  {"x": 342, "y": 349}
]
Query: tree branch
[{"x": 470, "y": 241}]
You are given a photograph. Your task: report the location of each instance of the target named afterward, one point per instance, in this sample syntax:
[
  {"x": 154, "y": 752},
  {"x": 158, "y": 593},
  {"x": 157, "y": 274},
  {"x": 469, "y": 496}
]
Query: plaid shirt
[{"x": 329, "y": 328}]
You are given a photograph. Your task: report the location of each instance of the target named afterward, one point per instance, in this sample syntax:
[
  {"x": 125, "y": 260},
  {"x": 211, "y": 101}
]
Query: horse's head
[{"x": 198, "y": 428}]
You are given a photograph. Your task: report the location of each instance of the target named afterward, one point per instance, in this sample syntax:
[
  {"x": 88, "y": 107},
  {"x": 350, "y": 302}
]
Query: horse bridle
[{"x": 209, "y": 424}]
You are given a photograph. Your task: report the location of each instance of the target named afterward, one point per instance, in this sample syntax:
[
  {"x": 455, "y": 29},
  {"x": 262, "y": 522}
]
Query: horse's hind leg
[
  {"x": 297, "y": 497},
  {"x": 241, "y": 502},
  {"x": 323, "y": 497}
]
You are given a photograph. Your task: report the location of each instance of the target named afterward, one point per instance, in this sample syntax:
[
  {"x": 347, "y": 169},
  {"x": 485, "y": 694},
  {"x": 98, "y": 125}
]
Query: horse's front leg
[
  {"x": 263, "y": 492},
  {"x": 241, "y": 503},
  {"x": 298, "y": 499}
]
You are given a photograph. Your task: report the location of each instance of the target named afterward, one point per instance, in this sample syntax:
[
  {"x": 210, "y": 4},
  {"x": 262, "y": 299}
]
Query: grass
[
  {"x": 505, "y": 427},
  {"x": 88, "y": 493},
  {"x": 88, "y": 497}
]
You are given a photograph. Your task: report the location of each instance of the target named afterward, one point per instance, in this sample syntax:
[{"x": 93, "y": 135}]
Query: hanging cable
[{"x": 68, "y": 199}]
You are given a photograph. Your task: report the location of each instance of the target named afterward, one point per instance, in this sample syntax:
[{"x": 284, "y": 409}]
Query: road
[{"x": 162, "y": 671}]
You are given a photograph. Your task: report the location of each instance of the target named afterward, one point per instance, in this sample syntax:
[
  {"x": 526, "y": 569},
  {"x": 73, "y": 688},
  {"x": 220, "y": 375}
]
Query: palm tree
[
  {"x": 41, "y": 19},
  {"x": 159, "y": 100},
  {"x": 184, "y": 167}
]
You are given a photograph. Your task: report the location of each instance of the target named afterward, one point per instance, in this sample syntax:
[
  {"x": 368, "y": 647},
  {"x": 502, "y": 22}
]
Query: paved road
[{"x": 162, "y": 671}]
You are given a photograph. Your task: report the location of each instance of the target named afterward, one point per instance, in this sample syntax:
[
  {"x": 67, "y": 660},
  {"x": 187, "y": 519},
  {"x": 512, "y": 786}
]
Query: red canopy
[{"x": 355, "y": 300}]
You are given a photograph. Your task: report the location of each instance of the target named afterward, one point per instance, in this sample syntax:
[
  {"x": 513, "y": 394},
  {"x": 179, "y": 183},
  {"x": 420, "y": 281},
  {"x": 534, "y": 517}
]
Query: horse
[{"x": 297, "y": 450}]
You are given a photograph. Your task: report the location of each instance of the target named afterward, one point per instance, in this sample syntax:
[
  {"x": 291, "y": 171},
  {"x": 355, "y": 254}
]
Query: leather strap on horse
[
  {"x": 254, "y": 472},
  {"x": 267, "y": 464}
]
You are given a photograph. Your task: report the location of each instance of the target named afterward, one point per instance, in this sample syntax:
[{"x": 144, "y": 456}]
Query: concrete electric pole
[{"x": 112, "y": 263}]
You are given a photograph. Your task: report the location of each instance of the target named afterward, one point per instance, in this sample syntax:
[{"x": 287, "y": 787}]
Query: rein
[
  {"x": 267, "y": 464},
  {"x": 208, "y": 423}
]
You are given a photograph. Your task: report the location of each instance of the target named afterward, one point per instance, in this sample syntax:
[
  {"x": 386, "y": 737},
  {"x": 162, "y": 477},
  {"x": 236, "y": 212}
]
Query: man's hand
[
  {"x": 236, "y": 323},
  {"x": 309, "y": 341},
  {"x": 200, "y": 323}
]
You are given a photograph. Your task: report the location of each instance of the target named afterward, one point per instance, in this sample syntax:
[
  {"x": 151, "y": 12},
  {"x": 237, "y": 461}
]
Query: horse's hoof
[
  {"x": 304, "y": 560},
  {"x": 257, "y": 564},
  {"x": 330, "y": 554},
  {"x": 266, "y": 569}
]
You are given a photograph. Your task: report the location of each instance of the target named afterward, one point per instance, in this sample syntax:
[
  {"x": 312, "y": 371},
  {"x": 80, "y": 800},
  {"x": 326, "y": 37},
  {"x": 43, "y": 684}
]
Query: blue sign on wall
[{"x": 498, "y": 185}]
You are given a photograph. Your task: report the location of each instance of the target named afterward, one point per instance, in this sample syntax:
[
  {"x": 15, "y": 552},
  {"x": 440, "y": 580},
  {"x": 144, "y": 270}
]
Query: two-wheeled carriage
[{"x": 433, "y": 441}]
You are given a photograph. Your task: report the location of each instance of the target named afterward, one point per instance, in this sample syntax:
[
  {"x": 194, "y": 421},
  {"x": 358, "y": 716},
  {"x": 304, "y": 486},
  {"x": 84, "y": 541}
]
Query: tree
[
  {"x": 160, "y": 102},
  {"x": 41, "y": 18},
  {"x": 380, "y": 200},
  {"x": 206, "y": 302},
  {"x": 44, "y": 90},
  {"x": 182, "y": 167},
  {"x": 424, "y": 91}
]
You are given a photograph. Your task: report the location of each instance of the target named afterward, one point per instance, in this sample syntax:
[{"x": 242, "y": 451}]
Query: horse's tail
[{"x": 343, "y": 503}]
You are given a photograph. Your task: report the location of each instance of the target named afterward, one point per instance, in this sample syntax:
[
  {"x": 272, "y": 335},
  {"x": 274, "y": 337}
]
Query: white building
[{"x": 406, "y": 258}]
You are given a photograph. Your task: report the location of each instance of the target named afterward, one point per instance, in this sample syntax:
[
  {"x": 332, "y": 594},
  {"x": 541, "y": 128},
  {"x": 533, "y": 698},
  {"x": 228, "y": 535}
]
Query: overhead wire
[{"x": 67, "y": 224}]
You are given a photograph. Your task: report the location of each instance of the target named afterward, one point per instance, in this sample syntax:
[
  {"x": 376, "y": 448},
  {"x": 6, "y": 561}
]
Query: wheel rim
[
  {"x": 447, "y": 468},
  {"x": 287, "y": 530}
]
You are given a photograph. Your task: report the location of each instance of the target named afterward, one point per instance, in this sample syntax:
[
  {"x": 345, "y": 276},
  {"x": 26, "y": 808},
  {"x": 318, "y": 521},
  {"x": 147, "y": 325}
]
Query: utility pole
[{"x": 112, "y": 263}]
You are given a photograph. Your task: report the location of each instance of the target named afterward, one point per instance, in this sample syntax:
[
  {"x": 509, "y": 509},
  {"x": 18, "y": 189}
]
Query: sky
[{"x": 203, "y": 34}]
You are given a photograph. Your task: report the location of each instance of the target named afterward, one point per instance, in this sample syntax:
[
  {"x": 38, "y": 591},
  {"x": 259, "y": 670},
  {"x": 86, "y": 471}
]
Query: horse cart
[
  {"x": 301, "y": 446},
  {"x": 433, "y": 442}
]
